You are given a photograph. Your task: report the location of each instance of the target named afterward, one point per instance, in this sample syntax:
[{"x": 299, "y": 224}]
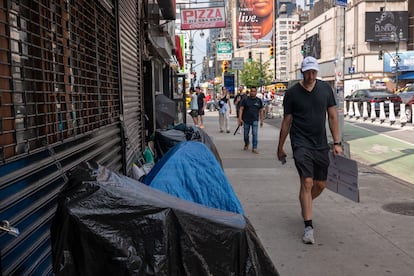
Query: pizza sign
[{"x": 203, "y": 18}]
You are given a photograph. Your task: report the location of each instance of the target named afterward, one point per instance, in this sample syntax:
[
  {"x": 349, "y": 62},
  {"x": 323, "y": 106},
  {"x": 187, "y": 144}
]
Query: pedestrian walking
[
  {"x": 251, "y": 111},
  {"x": 237, "y": 99},
  {"x": 305, "y": 107},
  {"x": 224, "y": 110},
  {"x": 201, "y": 101},
  {"x": 194, "y": 106}
]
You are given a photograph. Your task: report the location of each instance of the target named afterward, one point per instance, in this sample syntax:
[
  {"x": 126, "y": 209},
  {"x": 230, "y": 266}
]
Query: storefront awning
[{"x": 407, "y": 76}]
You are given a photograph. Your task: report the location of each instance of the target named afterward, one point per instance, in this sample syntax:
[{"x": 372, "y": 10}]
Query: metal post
[
  {"x": 261, "y": 70},
  {"x": 340, "y": 67},
  {"x": 396, "y": 37},
  {"x": 191, "y": 60},
  {"x": 397, "y": 61}
]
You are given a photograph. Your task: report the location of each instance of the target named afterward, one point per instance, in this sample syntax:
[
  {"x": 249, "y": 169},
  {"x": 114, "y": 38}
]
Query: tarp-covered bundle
[
  {"x": 190, "y": 171},
  {"x": 109, "y": 224},
  {"x": 165, "y": 139}
]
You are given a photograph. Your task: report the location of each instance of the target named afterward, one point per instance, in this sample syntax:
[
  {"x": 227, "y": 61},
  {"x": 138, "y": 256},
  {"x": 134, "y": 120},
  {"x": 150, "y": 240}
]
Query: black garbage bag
[
  {"x": 166, "y": 139},
  {"x": 109, "y": 224}
]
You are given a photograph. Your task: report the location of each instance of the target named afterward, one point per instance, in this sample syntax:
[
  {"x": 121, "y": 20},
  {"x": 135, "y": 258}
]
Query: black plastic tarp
[
  {"x": 165, "y": 139},
  {"x": 109, "y": 224}
]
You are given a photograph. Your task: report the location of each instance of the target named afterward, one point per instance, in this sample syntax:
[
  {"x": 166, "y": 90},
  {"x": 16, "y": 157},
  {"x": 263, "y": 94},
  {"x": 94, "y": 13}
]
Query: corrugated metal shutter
[
  {"x": 131, "y": 46},
  {"x": 60, "y": 105}
]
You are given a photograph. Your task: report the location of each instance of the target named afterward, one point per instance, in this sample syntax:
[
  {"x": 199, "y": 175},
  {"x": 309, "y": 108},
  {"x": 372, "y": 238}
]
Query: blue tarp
[{"x": 190, "y": 171}]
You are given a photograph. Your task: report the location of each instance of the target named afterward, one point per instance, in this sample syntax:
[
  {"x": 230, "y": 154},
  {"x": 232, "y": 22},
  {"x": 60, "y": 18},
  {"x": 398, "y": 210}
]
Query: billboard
[
  {"x": 380, "y": 25},
  {"x": 312, "y": 46},
  {"x": 405, "y": 61},
  {"x": 203, "y": 18},
  {"x": 254, "y": 23}
]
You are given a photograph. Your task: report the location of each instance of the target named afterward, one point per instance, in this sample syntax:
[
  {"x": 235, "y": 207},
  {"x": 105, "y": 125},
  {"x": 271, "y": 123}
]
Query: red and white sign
[{"x": 203, "y": 18}]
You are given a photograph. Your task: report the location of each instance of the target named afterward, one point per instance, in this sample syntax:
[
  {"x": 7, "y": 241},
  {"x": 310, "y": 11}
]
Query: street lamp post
[
  {"x": 396, "y": 38},
  {"x": 191, "y": 47}
]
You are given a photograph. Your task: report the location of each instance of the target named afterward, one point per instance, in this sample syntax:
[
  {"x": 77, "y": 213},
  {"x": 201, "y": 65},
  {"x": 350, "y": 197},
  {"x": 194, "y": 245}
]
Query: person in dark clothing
[
  {"x": 201, "y": 101},
  {"x": 237, "y": 100},
  {"x": 306, "y": 105},
  {"x": 251, "y": 110}
]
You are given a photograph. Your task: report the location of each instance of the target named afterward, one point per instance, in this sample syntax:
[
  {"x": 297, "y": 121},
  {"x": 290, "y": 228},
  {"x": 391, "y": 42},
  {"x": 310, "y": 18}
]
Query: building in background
[{"x": 362, "y": 41}]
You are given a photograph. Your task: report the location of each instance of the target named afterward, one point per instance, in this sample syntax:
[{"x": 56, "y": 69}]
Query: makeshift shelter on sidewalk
[
  {"x": 109, "y": 224},
  {"x": 190, "y": 171}
]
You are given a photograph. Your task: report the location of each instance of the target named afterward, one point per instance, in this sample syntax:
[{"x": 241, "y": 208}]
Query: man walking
[
  {"x": 201, "y": 101},
  {"x": 251, "y": 110},
  {"x": 237, "y": 100},
  {"x": 305, "y": 107}
]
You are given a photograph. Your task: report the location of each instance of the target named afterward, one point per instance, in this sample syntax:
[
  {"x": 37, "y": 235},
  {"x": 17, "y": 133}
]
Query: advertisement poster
[
  {"x": 381, "y": 26},
  {"x": 229, "y": 83},
  {"x": 254, "y": 23}
]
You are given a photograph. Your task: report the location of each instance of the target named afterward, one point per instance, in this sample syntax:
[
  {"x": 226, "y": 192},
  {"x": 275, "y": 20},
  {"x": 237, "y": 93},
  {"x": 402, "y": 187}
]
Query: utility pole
[{"x": 340, "y": 69}]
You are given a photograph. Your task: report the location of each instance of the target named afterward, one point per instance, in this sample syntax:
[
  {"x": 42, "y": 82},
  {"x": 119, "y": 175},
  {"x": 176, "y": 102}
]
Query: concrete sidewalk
[{"x": 351, "y": 238}]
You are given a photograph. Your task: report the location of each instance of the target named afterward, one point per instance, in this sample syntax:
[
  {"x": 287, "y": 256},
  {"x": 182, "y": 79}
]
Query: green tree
[{"x": 255, "y": 75}]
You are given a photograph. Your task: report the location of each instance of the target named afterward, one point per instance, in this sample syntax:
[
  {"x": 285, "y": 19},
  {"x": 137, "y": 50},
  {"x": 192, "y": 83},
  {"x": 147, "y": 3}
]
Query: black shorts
[
  {"x": 194, "y": 112},
  {"x": 200, "y": 111},
  {"x": 312, "y": 163}
]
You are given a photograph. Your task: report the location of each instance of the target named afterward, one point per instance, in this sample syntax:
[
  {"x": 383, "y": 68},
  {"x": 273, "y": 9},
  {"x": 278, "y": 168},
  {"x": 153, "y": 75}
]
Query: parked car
[
  {"x": 408, "y": 99},
  {"x": 409, "y": 87},
  {"x": 374, "y": 95}
]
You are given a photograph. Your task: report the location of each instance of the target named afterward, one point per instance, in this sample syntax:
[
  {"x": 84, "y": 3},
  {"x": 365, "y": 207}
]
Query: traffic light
[
  {"x": 225, "y": 66},
  {"x": 271, "y": 51},
  {"x": 250, "y": 56},
  {"x": 380, "y": 54}
]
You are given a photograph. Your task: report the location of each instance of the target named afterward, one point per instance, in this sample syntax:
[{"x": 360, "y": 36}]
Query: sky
[
  {"x": 199, "y": 50},
  {"x": 300, "y": 3}
]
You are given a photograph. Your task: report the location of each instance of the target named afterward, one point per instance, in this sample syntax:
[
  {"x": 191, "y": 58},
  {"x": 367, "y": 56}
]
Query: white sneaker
[{"x": 308, "y": 235}]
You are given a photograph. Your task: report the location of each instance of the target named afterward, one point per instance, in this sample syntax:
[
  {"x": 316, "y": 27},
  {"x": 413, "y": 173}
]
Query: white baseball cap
[{"x": 310, "y": 63}]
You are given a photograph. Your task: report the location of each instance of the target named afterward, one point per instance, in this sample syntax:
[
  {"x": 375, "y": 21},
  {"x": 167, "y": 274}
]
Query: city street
[{"x": 372, "y": 237}]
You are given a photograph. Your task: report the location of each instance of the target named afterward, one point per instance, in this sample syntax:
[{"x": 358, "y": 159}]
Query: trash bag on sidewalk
[
  {"x": 109, "y": 224},
  {"x": 190, "y": 171}
]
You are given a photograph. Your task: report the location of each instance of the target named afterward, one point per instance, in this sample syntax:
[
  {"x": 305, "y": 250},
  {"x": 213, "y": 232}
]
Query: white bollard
[
  {"x": 391, "y": 114},
  {"x": 357, "y": 113},
  {"x": 345, "y": 109},
  {"x": 373, "y": 115},
  {"x": 382, "y": 112},
  {"x": 351, "y": 109},
  {"x": 403, "y": 116},
  {"x": 365, "y": 110}
]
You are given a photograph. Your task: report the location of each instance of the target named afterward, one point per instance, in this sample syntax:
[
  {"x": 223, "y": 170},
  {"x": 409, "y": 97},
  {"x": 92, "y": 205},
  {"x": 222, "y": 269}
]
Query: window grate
[{"x": 59, "y": 75}]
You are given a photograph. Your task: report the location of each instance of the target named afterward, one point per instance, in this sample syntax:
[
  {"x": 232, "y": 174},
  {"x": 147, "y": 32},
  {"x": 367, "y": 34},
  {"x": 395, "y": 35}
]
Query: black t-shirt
[
  {"x": 309, "y": 110},
  {"x": 251, "y": 109},
  {"x": 239, "y": 98},
  {"x": 200, "y": 100}
]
